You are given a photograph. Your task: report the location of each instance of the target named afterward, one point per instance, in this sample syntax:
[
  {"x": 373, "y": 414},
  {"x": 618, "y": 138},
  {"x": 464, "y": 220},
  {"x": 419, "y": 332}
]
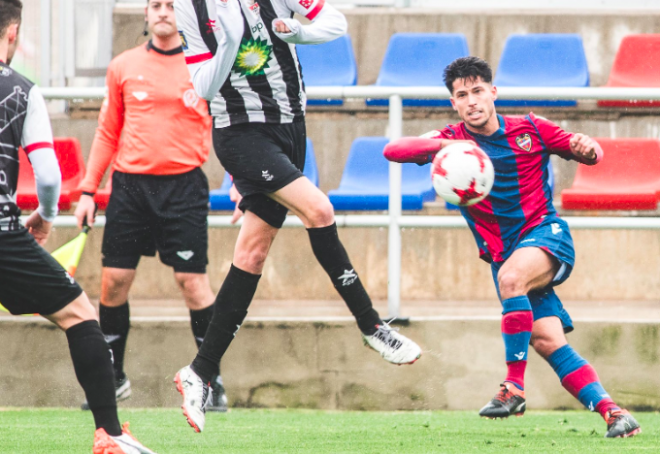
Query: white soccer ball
[{"x": 462, "y": 174}]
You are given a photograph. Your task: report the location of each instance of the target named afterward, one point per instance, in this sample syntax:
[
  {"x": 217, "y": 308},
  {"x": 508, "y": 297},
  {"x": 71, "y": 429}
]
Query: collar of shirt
[{"x": 175, "y": 51}]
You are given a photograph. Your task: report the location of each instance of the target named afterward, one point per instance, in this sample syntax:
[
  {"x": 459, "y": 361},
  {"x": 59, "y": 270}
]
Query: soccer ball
[{"x": 462, "y": 174}]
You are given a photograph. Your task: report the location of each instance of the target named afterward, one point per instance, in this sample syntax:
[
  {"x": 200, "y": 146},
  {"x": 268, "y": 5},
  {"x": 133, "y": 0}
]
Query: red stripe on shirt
[
  {"x": 198, "y": 58},
  {"x": 37, "y": 146},
  {"x": 316, "y": 10}
]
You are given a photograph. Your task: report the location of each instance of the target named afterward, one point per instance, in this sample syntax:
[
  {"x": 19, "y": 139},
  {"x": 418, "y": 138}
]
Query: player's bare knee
[
  {"x": 251, "y": 260},
  {"x": 321, "y": 214},
  {"x": 511, "y": 283},
  {"x": 544, "y": 345}
]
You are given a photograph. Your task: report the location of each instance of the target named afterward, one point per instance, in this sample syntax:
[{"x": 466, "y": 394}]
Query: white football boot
[
  {"x": 195, "y": 397},
  {"x": 392, "y": 346}
]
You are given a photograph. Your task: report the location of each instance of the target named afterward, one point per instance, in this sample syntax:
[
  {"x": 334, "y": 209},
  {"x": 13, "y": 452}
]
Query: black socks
[
  {"x": 199, "y": 322},
  {"x": 115, "y": 323},
  {"x": 230, "y": 309},
  {"x": 333, "y": 258},
  {"x": 93, "y": 365}
]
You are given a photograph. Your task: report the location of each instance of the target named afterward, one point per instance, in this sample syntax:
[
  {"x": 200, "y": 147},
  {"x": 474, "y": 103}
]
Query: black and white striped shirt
[
  {"x": 24, "y": 123},
  {"x": 248, "y": 72}
]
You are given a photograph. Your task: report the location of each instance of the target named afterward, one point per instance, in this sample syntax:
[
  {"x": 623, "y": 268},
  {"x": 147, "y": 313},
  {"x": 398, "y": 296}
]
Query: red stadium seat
[
  {"x": 72, "y": 166},
  {"x": 628, "y": 178},
  {"x": 635, "y": 65}
]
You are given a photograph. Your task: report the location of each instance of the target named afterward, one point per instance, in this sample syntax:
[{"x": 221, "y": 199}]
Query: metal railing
[{"x": 395, "y": 221}]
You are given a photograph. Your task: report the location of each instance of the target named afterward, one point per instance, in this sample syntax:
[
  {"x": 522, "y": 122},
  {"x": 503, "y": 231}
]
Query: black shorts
[
  {"x": 164, "y": 213},
  {"x": 262, "y": 158},
  {"x": 31, "y": 280}
]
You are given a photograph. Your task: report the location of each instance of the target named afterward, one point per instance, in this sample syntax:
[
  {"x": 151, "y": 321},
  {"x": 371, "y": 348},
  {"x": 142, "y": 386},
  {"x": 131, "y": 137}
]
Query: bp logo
[{"x": 253, "y": 56}]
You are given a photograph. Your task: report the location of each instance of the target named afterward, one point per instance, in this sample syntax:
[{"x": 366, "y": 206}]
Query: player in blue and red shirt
[{"x": 518, "y": 231}]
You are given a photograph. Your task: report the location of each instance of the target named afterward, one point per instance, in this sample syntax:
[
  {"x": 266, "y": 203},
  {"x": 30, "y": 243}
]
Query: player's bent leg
[
  {"x": 316, "y": 212},
  {"x": 230, "y": 309},
  {"x": 579, "y": 378},
  {"x": 527, "y": 269},
  {"x": 92, "y": 361},
  {"x": 199, "y": 299},
  {"x": 307, "y": 202}
]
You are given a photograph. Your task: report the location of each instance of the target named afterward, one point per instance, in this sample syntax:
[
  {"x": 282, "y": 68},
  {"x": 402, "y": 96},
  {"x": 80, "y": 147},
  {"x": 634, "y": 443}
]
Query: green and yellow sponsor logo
[{"x": 252, "y": 58}]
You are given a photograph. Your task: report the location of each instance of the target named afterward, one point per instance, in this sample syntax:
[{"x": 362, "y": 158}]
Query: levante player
[{"x": 518, "y": 232}]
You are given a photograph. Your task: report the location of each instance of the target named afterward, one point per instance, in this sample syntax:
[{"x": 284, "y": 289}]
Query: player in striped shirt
[
  {"x": 242, "y": 58},
  {"x": 31, "y": 280},
  {"x": 518, "y": 232}
]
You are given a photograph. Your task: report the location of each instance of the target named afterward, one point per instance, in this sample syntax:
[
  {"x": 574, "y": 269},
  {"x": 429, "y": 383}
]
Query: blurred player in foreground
[
  {"x": 242, "y": 58},
  {"x": 31, "y": 280},
  {"x": 159, "y": 200},
  {"x": 518, "y": 232}
]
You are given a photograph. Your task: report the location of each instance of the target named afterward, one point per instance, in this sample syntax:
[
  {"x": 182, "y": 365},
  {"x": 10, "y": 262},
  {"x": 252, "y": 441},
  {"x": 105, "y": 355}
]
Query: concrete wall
[
  {"x": 437, "y": 264},
  {"x": 324, "y": 365}
]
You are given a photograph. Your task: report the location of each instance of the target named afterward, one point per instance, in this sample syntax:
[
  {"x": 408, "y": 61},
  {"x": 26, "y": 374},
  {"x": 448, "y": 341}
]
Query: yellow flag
[{"x": 68, "y": 255}]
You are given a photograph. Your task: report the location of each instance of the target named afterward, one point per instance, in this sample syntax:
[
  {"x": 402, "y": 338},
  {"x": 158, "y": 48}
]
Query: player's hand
[
  {"x": 583, "y": 146},
  {"x": 236, "y": 197},
  {"x": 38, "y": 227},
  {"x": 281, "y": 27},
  {"x": 85, "y": 211}
]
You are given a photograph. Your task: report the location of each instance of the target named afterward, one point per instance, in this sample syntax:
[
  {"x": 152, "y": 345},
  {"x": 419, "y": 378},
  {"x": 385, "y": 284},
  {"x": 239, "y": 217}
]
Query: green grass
[{"x": 69, "y": 431}]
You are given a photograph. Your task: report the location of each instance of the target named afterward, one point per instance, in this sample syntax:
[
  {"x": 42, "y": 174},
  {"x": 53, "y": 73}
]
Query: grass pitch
[{"x": 35, "y": 431}]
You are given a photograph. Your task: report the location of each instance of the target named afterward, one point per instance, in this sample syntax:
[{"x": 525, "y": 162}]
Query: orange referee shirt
[{"x": 152, "y": 121}]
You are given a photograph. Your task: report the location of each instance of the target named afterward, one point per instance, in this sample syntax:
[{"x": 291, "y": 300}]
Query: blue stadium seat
[
  {"x": 219, "y": 198},
  {"x": 542, "y": 60},
  {"x": 417, "y": 60},
  {"x": 328, "y": 64},
  {"x": 365, "y": 182}
]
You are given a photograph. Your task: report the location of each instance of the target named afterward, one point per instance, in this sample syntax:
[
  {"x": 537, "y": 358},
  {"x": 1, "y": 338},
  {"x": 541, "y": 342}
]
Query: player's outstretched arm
[
  {"x": 585, "y": 149},
  {"x": 327, "y": 23},
  {"x": 419, "y": 150},
  {"x": 210, "y": 39}
]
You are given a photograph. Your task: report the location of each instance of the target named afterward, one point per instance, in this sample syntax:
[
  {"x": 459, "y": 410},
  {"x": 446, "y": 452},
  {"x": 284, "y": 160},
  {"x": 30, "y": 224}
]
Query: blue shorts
[{"x": 554, "y": 237}]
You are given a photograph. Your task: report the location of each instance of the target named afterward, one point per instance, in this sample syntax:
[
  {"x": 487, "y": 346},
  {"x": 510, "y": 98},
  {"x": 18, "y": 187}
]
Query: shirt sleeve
[
  {"x": 557, "y": 141},
  {"x": 210, "y": 39},
  {"x": 327, "y": 23},
  {"x": 37, "y": 142},
  {"x": 108, "y": 132},
  {"x": 420, "y": 150}
]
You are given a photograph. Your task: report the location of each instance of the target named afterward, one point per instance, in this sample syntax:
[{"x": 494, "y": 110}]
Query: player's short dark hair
[
  {"x": 10, "y": 13},
  {"x": 467, "y": 68}
]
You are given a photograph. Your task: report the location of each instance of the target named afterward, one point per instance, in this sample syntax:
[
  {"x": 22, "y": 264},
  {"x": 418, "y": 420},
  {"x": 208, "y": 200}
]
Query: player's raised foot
[
  {"x": 508, "y": 401},
  {"x": 218, "y": 400},
  {"x": 195, "y": 395},
  {"x": 125, "y": 443},
  {"x": 122, "y": 391},
  {"x": 621, "y": 424},
  {"x": 392, "y": 346}
]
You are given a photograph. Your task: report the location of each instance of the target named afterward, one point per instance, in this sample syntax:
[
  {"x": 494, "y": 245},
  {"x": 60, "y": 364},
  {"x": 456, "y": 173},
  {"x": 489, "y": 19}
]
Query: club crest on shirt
[
  {"x": 184, "y": 41},
  {"x": 254, "y": 6},
  {"x": 524, "y": 141},
  {"x": 306, "y": 3}
]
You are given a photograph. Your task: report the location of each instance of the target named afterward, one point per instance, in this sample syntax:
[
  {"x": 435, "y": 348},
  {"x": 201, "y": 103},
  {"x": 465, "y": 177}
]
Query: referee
[{"x": 155, "y": 130}]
